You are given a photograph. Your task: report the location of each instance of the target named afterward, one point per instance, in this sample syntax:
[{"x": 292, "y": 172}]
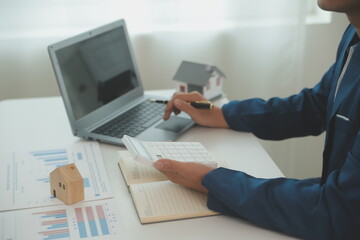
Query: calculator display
[{"x": 139, "y": 148}]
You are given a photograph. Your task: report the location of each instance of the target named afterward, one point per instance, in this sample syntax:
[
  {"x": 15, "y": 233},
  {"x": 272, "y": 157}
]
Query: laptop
[{"x": 102, "y": 91}]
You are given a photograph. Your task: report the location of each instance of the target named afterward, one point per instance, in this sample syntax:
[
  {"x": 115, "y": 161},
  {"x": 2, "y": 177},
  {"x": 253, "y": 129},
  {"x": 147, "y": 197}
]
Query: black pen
[{"x": 197, "y": 104}]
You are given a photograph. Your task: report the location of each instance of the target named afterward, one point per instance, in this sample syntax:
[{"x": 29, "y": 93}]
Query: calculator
[{"x": 149, "y": 152}]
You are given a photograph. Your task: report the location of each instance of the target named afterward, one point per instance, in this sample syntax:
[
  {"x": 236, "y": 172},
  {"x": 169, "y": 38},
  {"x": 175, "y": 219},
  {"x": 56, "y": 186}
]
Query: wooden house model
[
  {"x": 67, "y": 184},
  {"x": 204, "y": 78}
]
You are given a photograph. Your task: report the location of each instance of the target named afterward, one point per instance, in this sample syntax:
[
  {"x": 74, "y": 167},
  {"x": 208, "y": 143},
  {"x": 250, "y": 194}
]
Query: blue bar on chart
[
  {"x": 80, "y": 222},
  {"x": 48, "y": 152},
  {"x": 57, "y": 157},
  {"x": 54, "y": 223},
  {"x": 86, "y": 182},
  {"x": 44, "y": 180},
  {"x": 91, "y": 220},
  {"x": 52, "y": 159},
  {"x": 102, "y": 219},
  {"x": 59, "y": 225}
]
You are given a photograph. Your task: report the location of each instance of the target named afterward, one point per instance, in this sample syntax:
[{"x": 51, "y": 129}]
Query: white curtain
[
  {"x": 257, "y": 43},
  {"x": 21, "y": 15}
]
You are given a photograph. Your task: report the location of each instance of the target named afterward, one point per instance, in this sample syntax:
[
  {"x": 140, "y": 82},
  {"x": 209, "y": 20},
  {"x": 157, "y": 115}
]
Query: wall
[{"x": 25, "y": 71}]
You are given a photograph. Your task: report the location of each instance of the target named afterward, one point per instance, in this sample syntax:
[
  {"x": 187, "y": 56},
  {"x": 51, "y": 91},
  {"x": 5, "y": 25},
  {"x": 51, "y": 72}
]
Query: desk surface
[{"x": 42, "y": 122}]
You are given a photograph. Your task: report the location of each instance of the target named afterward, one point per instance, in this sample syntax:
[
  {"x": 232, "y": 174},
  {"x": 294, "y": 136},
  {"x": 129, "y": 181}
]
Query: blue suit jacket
[{"x": 326, "y": 208}]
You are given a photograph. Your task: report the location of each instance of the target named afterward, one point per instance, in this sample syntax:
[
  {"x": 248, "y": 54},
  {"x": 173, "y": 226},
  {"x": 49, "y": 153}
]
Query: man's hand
[
  {"x": 187, "y": 174},
  {"x": 181, "y": 102}
]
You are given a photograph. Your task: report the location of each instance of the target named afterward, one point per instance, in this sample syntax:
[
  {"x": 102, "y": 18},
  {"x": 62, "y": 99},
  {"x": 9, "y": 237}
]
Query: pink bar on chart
[
  {"x": 51, "y": 222},
  {"x": 79, "y": 215},
  {"x": 54, "y": 232},
  {"x": 100, "y": 212},
  {"x": 51, "y": 212},
  {"x": 89, "y": 213}
]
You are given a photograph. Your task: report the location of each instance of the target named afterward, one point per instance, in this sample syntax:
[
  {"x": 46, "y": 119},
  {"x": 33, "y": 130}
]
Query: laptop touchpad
[{"x": 175, "y": 124}]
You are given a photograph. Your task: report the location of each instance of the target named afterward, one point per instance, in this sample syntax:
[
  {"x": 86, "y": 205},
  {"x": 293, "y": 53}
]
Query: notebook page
[
  {"x": 136, "y": 172},
  {"x": 161, "y": 201}
]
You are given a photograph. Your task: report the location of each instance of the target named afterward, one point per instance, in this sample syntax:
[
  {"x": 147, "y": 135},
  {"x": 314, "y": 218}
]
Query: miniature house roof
[
  {"x": 70, "y": 173},
  {"x": 196, "y": 73}
]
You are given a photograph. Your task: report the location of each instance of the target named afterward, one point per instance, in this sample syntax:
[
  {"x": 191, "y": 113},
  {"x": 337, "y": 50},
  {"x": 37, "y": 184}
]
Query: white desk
[{"x": 42, "y": 122}]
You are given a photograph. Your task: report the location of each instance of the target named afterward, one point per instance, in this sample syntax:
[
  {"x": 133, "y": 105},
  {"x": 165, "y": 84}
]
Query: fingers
[
  {"x": 178, "y": 103},
  {"x": 185, "y": 107},
  {"x": 169, "y": 168},
  {"x": 165, "y": 165},
  {"x": 187, "y": 174}
]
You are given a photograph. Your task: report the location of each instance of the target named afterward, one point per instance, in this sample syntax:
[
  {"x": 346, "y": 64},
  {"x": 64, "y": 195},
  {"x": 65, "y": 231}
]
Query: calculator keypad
[{"x": 181, "y": 151}]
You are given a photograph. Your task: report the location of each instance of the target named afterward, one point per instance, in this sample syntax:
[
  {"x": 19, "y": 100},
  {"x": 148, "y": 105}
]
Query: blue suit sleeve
[
  {"x": 300, "y": 208},
  {"x": 279, "y": 118}
]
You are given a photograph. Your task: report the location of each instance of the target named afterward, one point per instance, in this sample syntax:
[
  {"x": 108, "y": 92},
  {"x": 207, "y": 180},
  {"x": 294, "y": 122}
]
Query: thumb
[
  {"x": 165, "y": 165},
  {"x": 184, "y": 106}
]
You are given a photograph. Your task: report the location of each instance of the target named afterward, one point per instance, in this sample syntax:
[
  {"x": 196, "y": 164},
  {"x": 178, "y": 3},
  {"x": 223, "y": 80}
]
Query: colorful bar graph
[
  {"x": 91, "y": 220},
  {"x": 102, "y": 219},
  {"x": 89, "y": 223},
  {"x": 85, "y": 220},
  {"x": 54, "y": 223},
  {"x": 80, "y": 222}
]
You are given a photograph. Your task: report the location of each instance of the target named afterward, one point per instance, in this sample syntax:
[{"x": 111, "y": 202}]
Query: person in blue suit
[{"x": 324, "y": 208}]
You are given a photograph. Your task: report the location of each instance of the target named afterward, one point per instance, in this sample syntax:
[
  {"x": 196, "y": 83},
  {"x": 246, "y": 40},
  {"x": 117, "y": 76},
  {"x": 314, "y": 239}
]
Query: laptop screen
[{"x": 97, "y": 71}]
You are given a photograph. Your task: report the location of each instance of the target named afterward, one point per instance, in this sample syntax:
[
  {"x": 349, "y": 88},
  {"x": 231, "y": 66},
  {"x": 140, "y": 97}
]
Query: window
[
  {"x": 218, "y": 81},
  {"x": 182, "y": 88}
]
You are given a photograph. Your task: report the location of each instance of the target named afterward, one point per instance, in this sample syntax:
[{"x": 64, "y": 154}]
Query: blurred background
[{"x": 266, "y": 48}]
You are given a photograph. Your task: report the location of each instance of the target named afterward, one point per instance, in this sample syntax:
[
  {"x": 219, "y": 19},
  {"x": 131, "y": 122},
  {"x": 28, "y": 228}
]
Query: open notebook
[{"x": 156, "y": 198}]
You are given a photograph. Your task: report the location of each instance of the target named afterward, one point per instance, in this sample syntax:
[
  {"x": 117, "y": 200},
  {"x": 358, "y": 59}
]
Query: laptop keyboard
[{"x": 134, "y": 121}]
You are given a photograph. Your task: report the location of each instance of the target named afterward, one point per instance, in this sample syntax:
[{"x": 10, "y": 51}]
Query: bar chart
[
  {"x": 55, "y": 157},
  {"x": 54, "y": 223},
  {"x": 91, "y": 220}
]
